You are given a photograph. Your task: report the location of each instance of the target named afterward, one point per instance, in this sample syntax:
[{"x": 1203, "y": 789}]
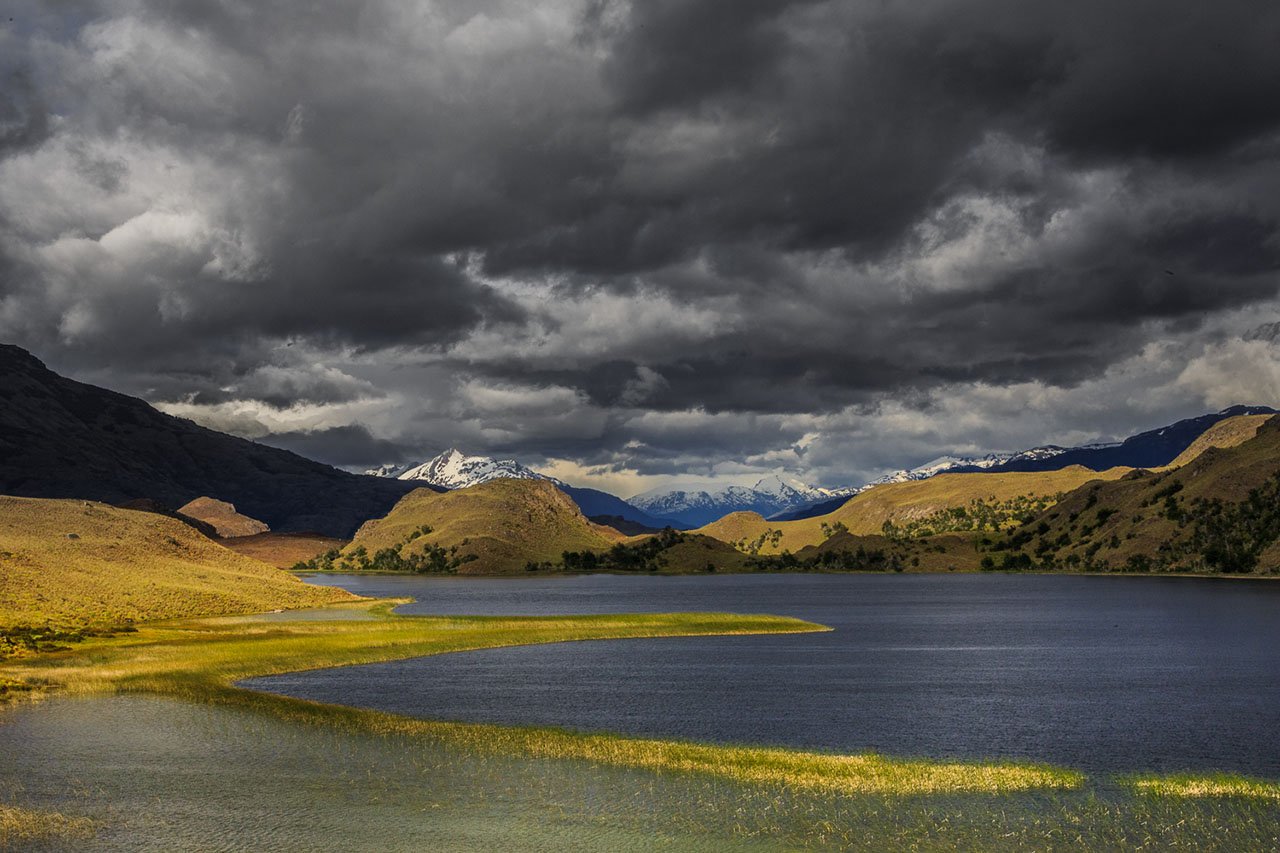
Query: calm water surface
[{"x": 1106, "y": 674}]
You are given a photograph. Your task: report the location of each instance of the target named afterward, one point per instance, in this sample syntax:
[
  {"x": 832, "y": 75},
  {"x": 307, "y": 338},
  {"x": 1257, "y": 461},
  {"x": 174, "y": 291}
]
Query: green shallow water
[{"x": 163, "y": 775}]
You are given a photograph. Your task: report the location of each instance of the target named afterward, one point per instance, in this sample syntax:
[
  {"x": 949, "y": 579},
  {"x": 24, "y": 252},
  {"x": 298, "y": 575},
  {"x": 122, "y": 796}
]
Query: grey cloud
[{"x": 881, "y": 202}]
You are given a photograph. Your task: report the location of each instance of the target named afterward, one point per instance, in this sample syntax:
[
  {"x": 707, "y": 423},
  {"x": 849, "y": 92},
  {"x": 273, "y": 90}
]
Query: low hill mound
[
  {"x": 223, "y": 517},
  {"x": 73, "y": 562},
  {"x": 900, "y": 504},
  {"x": 495, "y": 527}
]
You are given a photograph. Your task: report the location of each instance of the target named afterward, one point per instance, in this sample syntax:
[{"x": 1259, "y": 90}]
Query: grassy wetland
[{"x": 615, "y": 792}]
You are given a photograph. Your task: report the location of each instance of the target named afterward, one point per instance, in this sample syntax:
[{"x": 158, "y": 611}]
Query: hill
[
  {"x": 495, "y": 527},
  {"x": 902, "y": 503},
  {"x": 222, "y": 516},
  {"x": 1220, "y": 512},
  {"x": 65, "y": 439},
  {"x": 74, "y": 562},
  {"x": 283, "y": 550}
]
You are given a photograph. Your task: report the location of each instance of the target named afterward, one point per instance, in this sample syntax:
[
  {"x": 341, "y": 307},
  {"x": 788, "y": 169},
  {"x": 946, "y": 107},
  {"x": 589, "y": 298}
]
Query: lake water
[{"x": 1105, "y": 674}]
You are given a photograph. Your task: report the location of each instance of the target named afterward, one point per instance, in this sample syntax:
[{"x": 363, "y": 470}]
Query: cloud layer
[{"x": 642, "y": 240}]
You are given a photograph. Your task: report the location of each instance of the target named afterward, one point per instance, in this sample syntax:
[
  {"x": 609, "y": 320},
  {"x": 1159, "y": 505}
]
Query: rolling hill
[
  {"x": 223, "y": 518},
  {"x": 866, "y": 513},
  {"x": 496, "y": 527},
  {"x": 64, "y": 439},
  {"x": 75, "y": 562},
  {"x": 1218, "y": 512}
]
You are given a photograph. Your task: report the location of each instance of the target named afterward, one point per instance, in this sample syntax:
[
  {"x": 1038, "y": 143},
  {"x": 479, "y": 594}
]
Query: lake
[{"x": 1101, "y": 673}]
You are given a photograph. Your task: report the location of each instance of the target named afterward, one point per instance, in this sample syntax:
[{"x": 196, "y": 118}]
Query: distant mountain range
[
  {"x": 455, "y": 470},
  {"x": 769, "y": 497},
  {"x": 65, "y": 439}
]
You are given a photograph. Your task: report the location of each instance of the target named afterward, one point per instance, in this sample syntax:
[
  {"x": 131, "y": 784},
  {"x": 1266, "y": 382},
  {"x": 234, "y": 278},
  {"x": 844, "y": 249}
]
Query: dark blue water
[{"x": 1106, "y": 674}]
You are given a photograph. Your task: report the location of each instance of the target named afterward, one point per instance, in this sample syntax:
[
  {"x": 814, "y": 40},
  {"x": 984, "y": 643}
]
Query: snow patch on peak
[{"x": 455, "y": 470}]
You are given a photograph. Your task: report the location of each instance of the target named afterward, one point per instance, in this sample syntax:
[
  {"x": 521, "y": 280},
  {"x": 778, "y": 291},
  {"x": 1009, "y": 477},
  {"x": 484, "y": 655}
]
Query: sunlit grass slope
[
  {"x": 202, "y": 659},
  {"x": 1224, "y": 434},
  {"x": 504, "y": 523},
  {"x": 20, "y": 826},
  {"x": 73, "y": 562},
  {"x": 283, "y": 550},
  {"x": 865, "y": 514}
]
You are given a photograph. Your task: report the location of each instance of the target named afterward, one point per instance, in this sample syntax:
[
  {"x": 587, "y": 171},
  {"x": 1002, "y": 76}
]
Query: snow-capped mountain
[
  {"x": 967, "y": 463},
  {"x": 769, "y": 496},
  {"x": 454, "y": 470}
]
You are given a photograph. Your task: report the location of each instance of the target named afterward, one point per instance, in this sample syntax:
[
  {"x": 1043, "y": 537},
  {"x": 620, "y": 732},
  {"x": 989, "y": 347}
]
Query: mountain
[
  {"x": 77, "y": 562},
  {"x": 495, "y": 527},
  {"x": 768, "y": 497},
  {"x": 455, "y": 470},
  {"x": 64, "y": 439}
]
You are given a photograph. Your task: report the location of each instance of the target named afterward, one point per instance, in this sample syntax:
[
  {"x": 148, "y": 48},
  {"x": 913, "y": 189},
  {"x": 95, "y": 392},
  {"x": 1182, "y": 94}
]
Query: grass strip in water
[
  {"x": 1213, "y": 785},
  {"x": 201, "y": 659}
]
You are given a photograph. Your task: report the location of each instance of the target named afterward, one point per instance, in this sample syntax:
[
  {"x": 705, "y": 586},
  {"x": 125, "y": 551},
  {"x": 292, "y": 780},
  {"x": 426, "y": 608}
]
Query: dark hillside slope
[{"x": 65, "y": 439}]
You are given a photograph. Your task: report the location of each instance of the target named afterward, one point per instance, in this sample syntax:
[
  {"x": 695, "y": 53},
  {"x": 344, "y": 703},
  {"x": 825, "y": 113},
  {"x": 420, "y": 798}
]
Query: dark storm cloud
[
  {"x": 757, "y": 206},
  {"x": 351, "y": 446}
]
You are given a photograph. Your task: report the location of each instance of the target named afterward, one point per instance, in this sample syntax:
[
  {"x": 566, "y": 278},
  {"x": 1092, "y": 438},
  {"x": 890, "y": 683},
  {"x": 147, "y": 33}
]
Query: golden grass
[
  {"x": 24, "y": 825},
  {"x": 1225, "y": 433},
  {"x": 1217, "y": 785},
  {"x": 80, "y": 562},
  {"x": 202, "y": 659},
  {"x": 503, "y": 523},
  {"x": 865, "y": 514}
]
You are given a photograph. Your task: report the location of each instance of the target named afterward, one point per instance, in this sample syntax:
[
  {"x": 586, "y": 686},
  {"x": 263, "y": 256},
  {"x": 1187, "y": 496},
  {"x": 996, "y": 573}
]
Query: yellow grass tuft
[
  {"x": 1218, "y": 785},
  {"x": 26, "y": 825}
]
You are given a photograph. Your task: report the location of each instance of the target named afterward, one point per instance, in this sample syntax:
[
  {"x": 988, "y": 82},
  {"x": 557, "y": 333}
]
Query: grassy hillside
[
  {"x": 83, "y": 563},
  {"x": 899, "y": 504},
  {"x": 1224, "y": 434},
  {"x": 1218, "y": 513},
  {"x": 499, "y": 526}
]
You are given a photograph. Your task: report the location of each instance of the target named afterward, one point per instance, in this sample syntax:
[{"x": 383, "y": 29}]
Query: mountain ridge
[{"x": 60, "y": 438}]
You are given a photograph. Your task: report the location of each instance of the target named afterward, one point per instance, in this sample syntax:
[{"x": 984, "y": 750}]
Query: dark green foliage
[
  {"x": 644, "y": 556},
  {"x": 17, "y": 639},
  {"x": 860, "y": 559},
  {"x": 432, "y": 559}
]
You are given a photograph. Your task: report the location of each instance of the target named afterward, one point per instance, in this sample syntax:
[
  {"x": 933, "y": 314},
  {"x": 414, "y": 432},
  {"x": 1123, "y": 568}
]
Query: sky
[{"x": 635, "y": 244}]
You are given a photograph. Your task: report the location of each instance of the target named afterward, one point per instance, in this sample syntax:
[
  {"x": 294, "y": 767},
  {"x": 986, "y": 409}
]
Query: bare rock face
[{"x": 223, "y": 517}]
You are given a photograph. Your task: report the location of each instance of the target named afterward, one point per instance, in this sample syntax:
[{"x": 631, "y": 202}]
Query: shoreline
[{"x": 203, "y": 660}]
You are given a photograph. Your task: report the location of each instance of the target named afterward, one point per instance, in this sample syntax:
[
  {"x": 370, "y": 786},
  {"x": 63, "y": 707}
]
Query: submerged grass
[
  {"x": 27, "y": 825},
  {"x": 202, "y": 659}
]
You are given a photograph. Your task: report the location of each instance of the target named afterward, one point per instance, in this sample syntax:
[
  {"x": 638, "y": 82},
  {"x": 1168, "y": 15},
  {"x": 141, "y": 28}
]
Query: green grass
[{"x": 201, "y": 659}]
